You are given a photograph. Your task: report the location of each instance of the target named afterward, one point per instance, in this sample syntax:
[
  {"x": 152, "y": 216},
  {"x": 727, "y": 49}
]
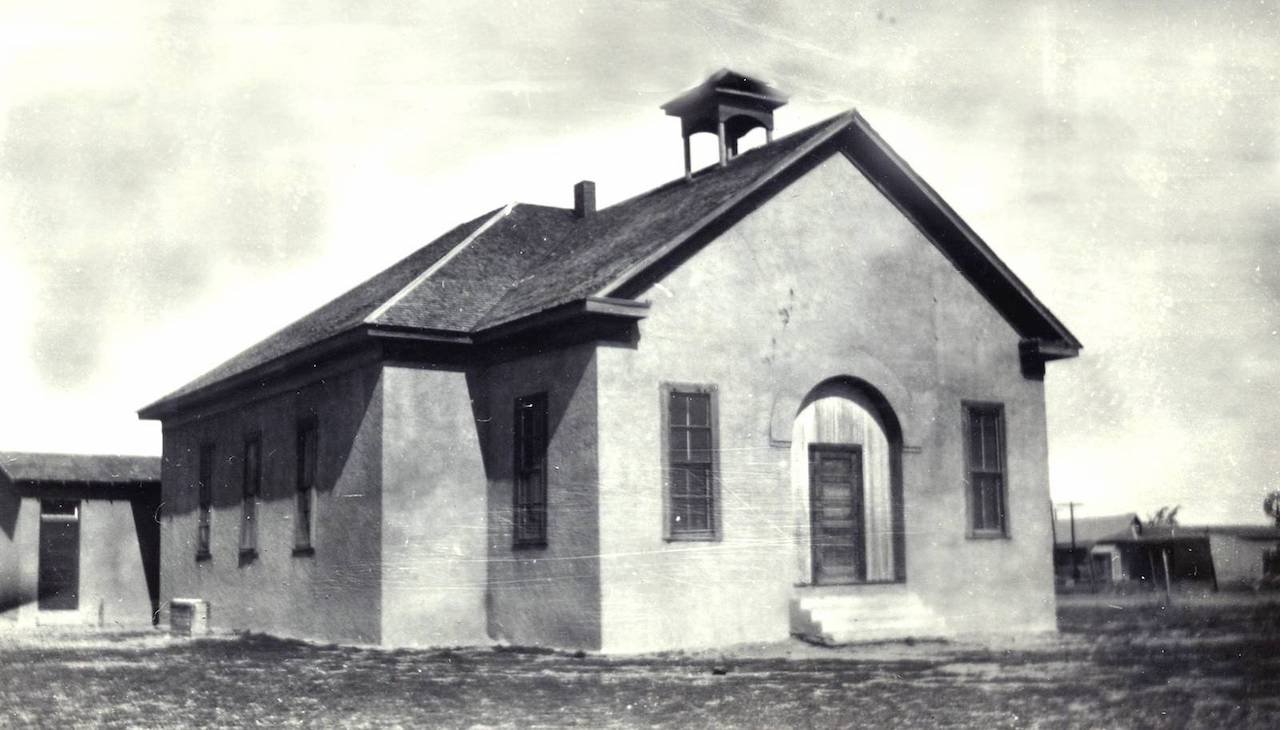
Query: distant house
[
  {"x": 1073, "y": 539},
  {"x": 1220, "y": 557},
  {"x": 789, "y": 393},
  {"x": 79, "y": 539}
]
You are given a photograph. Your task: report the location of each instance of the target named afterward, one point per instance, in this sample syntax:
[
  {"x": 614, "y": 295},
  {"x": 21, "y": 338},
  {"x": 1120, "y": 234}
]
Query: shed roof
[
  {"x": 1194, "y": 532},
  {"x": 523, "y": 260},
  {"x": 79, "y": 468}
]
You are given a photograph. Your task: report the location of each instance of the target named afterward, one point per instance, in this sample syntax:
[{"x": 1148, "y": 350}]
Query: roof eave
[
  {"x": 1062, "y": 337},
  {"x": 1047, "y": 350},
  {"x": 102, "y": 484},
  {"x": 615, "y": 309},
  {"x": 603, "y": 310},
  {"x": 173, "y": 404}
]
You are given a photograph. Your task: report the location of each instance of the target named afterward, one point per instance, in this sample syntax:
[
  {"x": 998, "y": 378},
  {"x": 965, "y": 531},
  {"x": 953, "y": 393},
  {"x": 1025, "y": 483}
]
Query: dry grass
[{"x": 1133, "y": 666}]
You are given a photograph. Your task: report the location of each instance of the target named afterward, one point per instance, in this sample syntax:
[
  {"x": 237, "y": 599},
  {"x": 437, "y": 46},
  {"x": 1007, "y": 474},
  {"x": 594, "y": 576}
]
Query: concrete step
[{"x": 845, "y": 617}]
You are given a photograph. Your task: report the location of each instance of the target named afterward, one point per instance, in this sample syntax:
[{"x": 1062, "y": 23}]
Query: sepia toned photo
[{"x": 650, "y": 364}]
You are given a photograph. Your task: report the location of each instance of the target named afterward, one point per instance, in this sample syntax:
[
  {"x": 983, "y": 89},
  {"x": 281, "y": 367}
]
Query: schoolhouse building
[
  {"x": 790, "y": 393},
  {"x": 79, "y": 540}
]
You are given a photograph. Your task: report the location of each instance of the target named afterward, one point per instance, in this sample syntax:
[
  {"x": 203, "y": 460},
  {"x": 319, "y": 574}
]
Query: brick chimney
[{"x": 584, "y": 199}]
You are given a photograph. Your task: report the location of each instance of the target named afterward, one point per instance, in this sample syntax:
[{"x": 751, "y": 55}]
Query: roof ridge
[
  {"x": 711, "y": 168},
  {"x": 836, "y": 122},
  {"x": 823, "y": 131},
  {"x": 438, "y": 264}
]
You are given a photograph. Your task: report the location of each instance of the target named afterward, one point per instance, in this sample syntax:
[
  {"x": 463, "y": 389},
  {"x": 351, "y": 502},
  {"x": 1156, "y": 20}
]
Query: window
[
  {"x": 306, "y": 447},
  {"x": 691, "y": 467},
  {"x": 252, "y": 486},
  {"x": 529, "y": 520},
  {"x": 204, "y": 499},
  {"x": 1271, "y": 563},
  {"x": 984, "y": 452}
]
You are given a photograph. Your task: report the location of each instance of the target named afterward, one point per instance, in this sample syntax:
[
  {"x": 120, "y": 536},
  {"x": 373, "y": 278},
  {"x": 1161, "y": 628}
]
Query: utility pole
[
  {"x": 1053, "y": 522},
  {"x": 1075, "y": 562},
  {"x": 1053, "y": 529},
  {"x": 1168, "y": 580}
]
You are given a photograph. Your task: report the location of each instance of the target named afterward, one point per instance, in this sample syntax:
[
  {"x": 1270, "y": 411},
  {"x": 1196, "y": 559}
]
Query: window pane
[
  {"x": 679, "y": 442},
  {"x": 691, "y": 514},
  {"x": 990, "y": 441},
  {"x": 987, "y": 501},
  {"x": 252, "y": 468},
  {"x": 984, "y": 439},
  {"x": 529, "y": 493},
  {"x": 204, "y": 508},
  {"x": 302, "y": 520},
  {"x": 976, "y": 459},
  {"x": 679, "y": 415},
  {"x": 679, "y": 512},
  {"x": 698, "y": 517},
  {"x": 206, "y": 475},
  {"x": 691, "y": 499},
  {"x": 699, "y": 409},
  {"x": 307, "y": 438},
  {"x": 252, "y": 482},
  {"x": 679, "y": 481},
  {"x": 249, "y": 525},
  {"x": 689, "y": 466},
  {"x": 986, "y": 464},
  {"x": 698, "y": 482},
  {"x": 700, "y": 445}
]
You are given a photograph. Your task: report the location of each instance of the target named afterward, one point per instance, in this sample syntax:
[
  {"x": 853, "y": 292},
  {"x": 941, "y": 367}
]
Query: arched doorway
[{"x": 845, "y": 473}]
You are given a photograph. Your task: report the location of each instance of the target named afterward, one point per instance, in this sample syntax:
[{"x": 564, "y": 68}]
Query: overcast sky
[{"x": 177, "y": 182}]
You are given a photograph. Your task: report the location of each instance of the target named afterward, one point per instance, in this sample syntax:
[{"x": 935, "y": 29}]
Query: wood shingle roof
[{"x": 524, "y": 260}]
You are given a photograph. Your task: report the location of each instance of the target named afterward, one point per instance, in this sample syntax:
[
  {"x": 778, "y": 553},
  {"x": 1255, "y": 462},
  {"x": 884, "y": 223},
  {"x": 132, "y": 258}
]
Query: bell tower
[{"x": 728, "y": 105}]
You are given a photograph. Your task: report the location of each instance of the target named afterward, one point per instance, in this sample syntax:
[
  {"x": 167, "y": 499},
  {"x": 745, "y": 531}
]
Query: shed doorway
[{"x": 58, "y": 580}]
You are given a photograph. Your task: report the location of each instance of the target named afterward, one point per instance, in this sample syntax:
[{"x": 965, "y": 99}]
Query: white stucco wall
[{"x": 828, "y": 279}]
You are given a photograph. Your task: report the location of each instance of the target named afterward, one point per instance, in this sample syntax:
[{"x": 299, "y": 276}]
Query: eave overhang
[{"x": 591, "y": 316}]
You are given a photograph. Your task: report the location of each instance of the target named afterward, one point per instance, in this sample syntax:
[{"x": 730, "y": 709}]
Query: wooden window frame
[
  {"x": 973, "y": 531},
  {"x": 250, "y": 501},
  {"x": 523, "y": 501},
  {"x": 305, "y": 486},
  {"x": 714, "y": 532},
  {"x": 204, "y": 502}
]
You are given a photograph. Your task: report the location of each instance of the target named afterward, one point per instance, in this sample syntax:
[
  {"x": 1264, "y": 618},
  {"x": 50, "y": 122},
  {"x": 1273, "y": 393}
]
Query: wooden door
[
  {"x": 58, "y": 580},
  {"x": 836, "y": 522}
]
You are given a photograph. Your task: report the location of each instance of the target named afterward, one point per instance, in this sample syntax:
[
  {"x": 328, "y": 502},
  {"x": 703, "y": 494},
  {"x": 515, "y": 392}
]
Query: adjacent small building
[
  {"x": 79, "y": 539},
  {"x": 1073, "y": 541},
  {"x": 1218, "y": 557},
  {"x": 790, "y": 393}
]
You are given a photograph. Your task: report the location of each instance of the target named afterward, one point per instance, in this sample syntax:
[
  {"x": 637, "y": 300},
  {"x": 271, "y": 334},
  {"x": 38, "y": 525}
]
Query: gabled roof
[
  {"x": 1091, "y": 529},
  {"x": 484, "y": 277},
  {"x": 79, "y": 468}
]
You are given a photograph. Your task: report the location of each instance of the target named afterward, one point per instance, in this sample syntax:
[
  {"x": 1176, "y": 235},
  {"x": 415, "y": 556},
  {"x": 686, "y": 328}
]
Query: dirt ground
[{"x": 1211, "y": 664}]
